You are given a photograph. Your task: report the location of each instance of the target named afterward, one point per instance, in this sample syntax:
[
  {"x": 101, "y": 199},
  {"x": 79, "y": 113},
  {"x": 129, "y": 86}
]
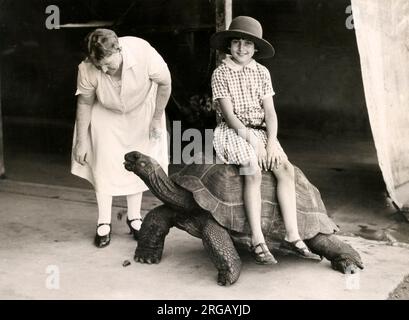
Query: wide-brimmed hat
[{"x": 243, "y": 27}]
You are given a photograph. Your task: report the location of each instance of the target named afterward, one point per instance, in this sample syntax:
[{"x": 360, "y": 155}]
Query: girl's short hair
[
  {"x": 229, "y": 40},
  {"x": 101, "y": 43}
]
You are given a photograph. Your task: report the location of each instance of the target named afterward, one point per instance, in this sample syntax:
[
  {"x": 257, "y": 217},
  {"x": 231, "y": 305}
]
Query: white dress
[{"x": 120, "y": 118}]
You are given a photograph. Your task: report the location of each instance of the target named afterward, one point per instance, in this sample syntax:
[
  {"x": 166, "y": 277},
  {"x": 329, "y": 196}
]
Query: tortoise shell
[{"x": 218, "y": 189}]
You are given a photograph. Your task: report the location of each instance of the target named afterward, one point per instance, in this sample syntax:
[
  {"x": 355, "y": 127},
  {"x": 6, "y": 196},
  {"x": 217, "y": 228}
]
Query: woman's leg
[
  {"x": 287, "y": 199},
  {"x": 104, "y": 202},
  {"x": 134, "y": 209}
]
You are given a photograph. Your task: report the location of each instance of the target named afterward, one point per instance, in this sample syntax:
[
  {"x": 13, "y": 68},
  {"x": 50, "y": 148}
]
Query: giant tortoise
[{"x": 205, "y": 200}]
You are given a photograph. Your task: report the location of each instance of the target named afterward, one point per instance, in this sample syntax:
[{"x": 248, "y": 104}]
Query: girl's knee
[
  {"x": 285, "y": 171},
  {"x": 251, "y": 173}
]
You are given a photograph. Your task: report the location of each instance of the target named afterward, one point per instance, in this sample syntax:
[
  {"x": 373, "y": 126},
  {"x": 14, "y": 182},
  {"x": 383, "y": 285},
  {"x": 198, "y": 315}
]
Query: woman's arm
[
  {"x": 162, "y": 98},
  {"x": 84, "y": 106},
  {"x": 159, "y": 73}
]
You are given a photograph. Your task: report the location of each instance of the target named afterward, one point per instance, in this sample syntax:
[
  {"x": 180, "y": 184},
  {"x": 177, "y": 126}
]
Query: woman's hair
[{"x": 101, "y": 43}]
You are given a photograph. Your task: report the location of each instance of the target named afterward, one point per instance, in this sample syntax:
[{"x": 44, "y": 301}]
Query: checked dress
[{"x": 246, "y": 87}]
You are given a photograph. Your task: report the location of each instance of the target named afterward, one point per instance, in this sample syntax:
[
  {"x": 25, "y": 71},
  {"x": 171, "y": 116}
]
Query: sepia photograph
[{"x": 204, "y": 154}]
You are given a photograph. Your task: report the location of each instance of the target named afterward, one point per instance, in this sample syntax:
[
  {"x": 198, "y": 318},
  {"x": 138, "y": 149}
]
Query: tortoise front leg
[
  {"x": 343, "y": 257},
  {"x": 220, "y": 247},
  {"x": 154, "y": 229}
]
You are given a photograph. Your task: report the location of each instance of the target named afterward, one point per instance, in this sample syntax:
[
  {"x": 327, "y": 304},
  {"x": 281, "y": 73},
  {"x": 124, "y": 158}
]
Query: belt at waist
[{"x": 260, "y": 127}]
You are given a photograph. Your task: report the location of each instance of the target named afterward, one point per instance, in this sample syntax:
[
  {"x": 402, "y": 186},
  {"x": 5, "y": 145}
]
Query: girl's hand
[
  {"x": 259, "y": 149},
  {"x": 155, "y": 129},
  {"x": 274, "y": 158},
  {"x": 261, "y": 154},
  {"x": 80, "y": 153}
]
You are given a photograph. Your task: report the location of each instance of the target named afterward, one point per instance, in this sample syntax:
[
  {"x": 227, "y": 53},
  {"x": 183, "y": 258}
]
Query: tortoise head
[{"x": 140, "y": 164}]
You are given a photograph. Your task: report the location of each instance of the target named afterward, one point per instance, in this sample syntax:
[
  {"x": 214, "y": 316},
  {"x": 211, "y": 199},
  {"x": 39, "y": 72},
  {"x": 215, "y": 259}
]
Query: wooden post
[
  {"x": 224, "y": 13},
  {"x": 1, "y": 137}
]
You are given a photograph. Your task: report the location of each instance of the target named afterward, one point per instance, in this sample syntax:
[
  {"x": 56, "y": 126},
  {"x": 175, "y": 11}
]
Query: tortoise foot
[
  {"x": 347, "y": 264},
  {"x": 220, "y": 247},
  {"x": 152, "y": 235},
  {"x": 226, "y": 278},
  {"x": 343, "y": 256},
  {"x": 148, "y": 255}
]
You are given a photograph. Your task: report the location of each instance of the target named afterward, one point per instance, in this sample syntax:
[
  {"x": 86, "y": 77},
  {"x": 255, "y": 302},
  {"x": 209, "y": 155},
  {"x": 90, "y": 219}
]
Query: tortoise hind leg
[
  {"x": 220, "y": 247},
  {"x": 151, "y": 238},
  {"x": 343, "y": 257}
]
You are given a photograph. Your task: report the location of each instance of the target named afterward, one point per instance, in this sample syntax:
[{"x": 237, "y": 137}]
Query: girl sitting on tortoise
[{"x": 246, "y": 133}]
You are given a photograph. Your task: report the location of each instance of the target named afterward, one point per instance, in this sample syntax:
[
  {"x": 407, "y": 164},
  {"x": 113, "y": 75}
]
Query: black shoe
[
  {"x": 300, "y": 249},
  {"x": 102, "y": 241},
  {"x": 263, "y": 256},
  {"x": 132, "y": 230}
]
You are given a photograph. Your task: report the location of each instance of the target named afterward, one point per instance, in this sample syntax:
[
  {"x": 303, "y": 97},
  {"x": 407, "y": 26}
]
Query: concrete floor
[
  {"x": 47, "y": 230},
  {"x": 54, "y": 238}
]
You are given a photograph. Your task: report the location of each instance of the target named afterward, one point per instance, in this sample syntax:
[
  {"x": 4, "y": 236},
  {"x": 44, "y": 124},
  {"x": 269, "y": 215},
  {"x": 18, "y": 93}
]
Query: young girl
[{"x": 246, "y": 133}]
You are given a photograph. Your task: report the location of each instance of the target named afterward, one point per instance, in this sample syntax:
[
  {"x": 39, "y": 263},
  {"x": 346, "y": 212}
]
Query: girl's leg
[
  {"x": 252, "y": 201},
  {"x": 134, "y": 209},
  {"x": 287, "y": 199},
  {"x": 252, "y": 204},
  {"x": 104, "y": 202}
]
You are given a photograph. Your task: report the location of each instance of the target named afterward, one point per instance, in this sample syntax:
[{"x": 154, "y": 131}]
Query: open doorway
[{"x": 320, "y": 102}]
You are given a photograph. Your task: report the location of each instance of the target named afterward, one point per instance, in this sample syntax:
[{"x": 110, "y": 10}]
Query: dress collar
[
  {"x": 129, "y": 59},
  {"x": 236, "y": 67}
]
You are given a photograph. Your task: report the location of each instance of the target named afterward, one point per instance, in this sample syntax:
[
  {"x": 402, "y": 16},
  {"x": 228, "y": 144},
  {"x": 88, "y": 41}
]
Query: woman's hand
[
  {"x": 80, "y": 153},
  {"x": 274, "y": 158},
  {"x": 155, "y": 129}
]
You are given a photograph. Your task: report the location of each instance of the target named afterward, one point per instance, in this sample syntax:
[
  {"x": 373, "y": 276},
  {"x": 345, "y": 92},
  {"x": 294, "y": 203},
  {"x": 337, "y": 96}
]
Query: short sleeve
[
  {"x": 219, "y": 85},
  {"x": 85, "y": 84},
  {"x": 157, "y": 68},
  {"x": 267, "y": 87}
]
